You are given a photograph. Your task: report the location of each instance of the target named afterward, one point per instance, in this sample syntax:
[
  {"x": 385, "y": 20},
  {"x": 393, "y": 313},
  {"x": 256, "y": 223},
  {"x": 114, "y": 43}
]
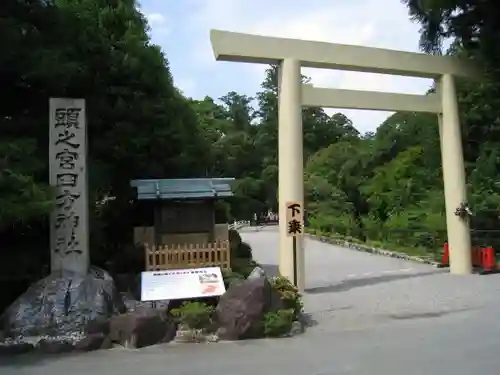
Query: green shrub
[
  {"x": 289, "y": 295},
  {"x": 240, "y": 270},
  {"x": 278, "y": 323},
  {"x": 243, "y": 266},
  {"x": 229, "y": 276},
  {"x": 234, "y": 240},
  {"x": 239, "y": 249},
  {"x": 244, "y": 251},
  {"x": 194, "y": 315}
]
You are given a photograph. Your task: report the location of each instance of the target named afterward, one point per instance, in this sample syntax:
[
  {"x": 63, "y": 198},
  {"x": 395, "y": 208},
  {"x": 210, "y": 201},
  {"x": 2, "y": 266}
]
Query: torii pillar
[{"x": 290, "y": 164}]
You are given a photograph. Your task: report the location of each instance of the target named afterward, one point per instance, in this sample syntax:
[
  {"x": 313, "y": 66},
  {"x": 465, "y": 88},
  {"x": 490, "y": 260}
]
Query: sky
[{"x": 182, "y": 28}]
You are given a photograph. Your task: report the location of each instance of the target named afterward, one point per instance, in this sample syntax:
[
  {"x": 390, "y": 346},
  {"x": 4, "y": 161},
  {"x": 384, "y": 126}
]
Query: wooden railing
[
  {"x": 239, "y": 224},
  {"x": 165, "y": 257}
]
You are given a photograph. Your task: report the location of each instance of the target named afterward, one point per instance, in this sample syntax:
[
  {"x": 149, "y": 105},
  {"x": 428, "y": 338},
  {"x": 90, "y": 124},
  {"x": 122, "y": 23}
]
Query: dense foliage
[
  {"x": 384, "y": 186},
  {"x": 139, "y": 125}
]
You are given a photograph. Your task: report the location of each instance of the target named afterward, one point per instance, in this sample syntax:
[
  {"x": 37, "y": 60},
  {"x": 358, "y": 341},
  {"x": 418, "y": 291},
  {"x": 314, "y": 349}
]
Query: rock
[
  {"x": 240, "y": 311},
  {"x": 142, "y": 327},
  {"x": 132, "y": 304},
  {"x": 222, "y": 332},
  {"x": 62, "y": 303},
  {"x": 13, "y": 348},
  {"x": 94, "y": 341},
  {"x": 256, "y": 273},
  {"x": 199, "y": 335},
  {"x": 126, "y": 282},
  {"x": 213, "y": 337},
  {"x": 186, "y": 335},
  {"x": 296, "y": 329},
  {"x": 97, "y": 326},
  {"x": 54, "y": 347}
]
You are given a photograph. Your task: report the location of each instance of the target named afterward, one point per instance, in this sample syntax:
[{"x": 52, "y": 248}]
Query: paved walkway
[
  {"x": 353, "y": 289},
  {"x": 374, "y": 315}
]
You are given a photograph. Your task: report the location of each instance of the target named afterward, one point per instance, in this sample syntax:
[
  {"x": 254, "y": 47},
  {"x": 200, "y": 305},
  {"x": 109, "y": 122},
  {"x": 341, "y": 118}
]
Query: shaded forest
[{"x": 384, "y": 188}]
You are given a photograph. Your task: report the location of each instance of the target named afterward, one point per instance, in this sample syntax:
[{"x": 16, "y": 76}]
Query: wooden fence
[{"x": 165, "y": 257}]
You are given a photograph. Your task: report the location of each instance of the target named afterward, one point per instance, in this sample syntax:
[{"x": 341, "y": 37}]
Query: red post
[
  {"x": 489, "y": 261},
  {"x": 445, "y": 261}
]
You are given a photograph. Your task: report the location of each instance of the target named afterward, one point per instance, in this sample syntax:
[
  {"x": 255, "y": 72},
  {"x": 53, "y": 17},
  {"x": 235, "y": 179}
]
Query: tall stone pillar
[{"x": 69, "y": 227}]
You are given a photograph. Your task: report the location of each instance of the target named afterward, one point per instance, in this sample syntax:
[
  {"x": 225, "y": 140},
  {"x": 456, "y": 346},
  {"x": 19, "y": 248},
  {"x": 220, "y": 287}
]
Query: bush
[
  {"x": 234, "y": 239},
  {"x": 289, "y": 295},
  {"x": 230, "y": 276},
  {"x": 243, "y": 266},
  {"x": 240, "y": 270},
  {"x": 244, "y": 251},
  {"x": 239, "y": 249},
  {"x": 194, "y": 315},
  {"x": 278, "y": 323}
]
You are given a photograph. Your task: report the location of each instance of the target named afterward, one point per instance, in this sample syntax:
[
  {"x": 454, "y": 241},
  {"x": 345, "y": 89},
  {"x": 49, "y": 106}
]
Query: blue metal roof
[{"x": 183, "y": 188}]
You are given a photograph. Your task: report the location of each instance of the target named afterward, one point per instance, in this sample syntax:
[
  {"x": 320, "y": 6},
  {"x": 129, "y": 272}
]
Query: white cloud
[
  {"x": 375, "y": 23},
  {"x": 186, "y": 85},
  {"x": 158, "y": 23},
  {"x": 156, "y": 18}
]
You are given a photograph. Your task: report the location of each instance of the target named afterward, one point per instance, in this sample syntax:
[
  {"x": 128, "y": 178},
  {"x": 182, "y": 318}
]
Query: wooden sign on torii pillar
[{"x": 292, "y": 54}]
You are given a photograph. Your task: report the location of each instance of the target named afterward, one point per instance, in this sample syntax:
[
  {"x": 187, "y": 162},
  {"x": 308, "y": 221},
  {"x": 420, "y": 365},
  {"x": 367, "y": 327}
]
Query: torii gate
[{"x": 292, "y": 54}]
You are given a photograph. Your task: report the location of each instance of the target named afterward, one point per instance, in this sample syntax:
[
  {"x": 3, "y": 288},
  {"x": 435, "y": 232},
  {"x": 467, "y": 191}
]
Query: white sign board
[
  {"x": 179, "y": 284},
  {"x": 68, "y": 175}
]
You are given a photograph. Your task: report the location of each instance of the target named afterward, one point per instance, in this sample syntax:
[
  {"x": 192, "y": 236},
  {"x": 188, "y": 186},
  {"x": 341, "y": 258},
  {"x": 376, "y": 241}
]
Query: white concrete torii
[{"x": 292, "y": 54}]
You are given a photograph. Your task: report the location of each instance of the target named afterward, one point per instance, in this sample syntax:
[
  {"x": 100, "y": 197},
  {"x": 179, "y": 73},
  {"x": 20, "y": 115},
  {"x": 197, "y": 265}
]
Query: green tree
[{"x": 139, "y": 125}]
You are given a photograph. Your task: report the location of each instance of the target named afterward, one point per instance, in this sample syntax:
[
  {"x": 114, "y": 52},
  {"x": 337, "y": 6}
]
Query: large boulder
[
  {"x": 52, "y": 346},
  {"x": 13, "y": 348},
  {"x": 80, "y": 342},
  {"x": 256, "y": 273},
  {"x": 93, "y": 342},
  {"x": 132, "y": 304},
  {"x": 129, "y": 283},
  {"x": 240, "y": 311},
  {"x": 63, "y": 303},
  {"x": 141, "y": 327}
]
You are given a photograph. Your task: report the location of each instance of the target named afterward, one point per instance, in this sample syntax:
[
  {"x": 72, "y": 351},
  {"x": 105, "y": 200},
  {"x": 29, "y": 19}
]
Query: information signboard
[{"x": 182, "y": 283}]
